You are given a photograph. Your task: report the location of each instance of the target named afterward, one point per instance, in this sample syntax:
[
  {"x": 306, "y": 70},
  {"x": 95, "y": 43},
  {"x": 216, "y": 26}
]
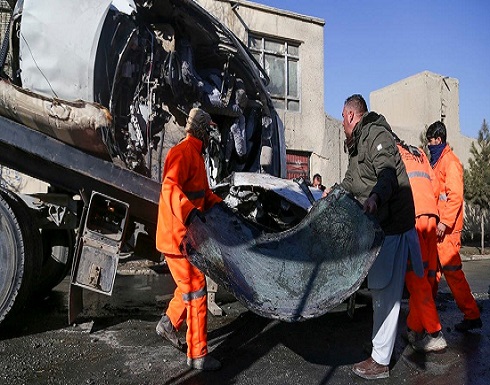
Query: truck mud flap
[
  {"x": 98, "y": 247},
  {"x": 293, "y": 275}
]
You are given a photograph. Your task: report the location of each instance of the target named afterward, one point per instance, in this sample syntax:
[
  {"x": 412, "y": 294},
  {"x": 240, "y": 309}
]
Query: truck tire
[
  {"x": 58, "y": 250},
  {"x": 20, "y": 261}
]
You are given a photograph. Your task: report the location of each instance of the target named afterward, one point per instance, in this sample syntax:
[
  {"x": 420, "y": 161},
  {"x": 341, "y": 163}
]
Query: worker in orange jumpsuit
[
  {"x": 449, "y": 172},
  {"x": 185, "y": 195},
  {"x": 425, "y": 330}
]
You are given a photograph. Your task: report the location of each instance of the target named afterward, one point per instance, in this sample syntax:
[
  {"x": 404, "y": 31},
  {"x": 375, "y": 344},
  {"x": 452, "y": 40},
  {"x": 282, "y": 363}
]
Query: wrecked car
[{"x": 122, "y": 88}]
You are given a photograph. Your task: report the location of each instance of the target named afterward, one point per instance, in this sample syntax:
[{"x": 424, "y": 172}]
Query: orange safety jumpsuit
[
  {"x": 449, "y": 172},
  {"x": 422, "y": 313},
  {"x": 185, "y": 187}
]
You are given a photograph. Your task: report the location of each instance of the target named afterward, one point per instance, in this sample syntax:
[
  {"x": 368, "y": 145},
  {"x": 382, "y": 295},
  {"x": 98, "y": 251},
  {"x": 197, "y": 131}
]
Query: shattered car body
[
  {"x": 291, "y": 275},
  {"x": 144, "y": 65}
]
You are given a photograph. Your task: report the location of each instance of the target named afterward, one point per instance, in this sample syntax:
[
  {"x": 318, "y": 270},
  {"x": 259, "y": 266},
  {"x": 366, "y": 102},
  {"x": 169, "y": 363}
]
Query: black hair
[
  {"x": 357, "y": 102},
  {"x": 436, "y": 130}
]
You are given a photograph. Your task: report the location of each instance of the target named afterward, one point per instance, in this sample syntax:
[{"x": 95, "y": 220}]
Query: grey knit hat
[{"x": 198, "y": 120}]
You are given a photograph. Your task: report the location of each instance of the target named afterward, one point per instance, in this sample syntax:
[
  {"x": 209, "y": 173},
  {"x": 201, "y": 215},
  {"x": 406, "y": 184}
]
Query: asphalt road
[{"x": 113, "y": 342}]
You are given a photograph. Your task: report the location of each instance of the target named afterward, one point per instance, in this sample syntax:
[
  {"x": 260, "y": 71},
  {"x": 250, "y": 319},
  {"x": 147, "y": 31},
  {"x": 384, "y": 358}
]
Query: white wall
[{"x": 412, "y": 104}]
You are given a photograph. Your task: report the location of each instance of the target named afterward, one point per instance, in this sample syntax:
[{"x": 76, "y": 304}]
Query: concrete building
[
  {"x": 412, "y": 104},
  {"x": 290, "y": 48},
  {"x": 314, "y": 140}
]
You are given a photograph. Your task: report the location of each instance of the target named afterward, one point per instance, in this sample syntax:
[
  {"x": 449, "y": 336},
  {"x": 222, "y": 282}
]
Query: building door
[{"x": 298, "y": 164}]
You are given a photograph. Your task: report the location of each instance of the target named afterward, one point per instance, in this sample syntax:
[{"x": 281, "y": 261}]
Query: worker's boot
[
  {"x": 411, "y": 336},
  {"x": 166, "y": 330},
  {"x": 434, "y": 342},
  {"x": 468, "y": 324},
  {"x": 204, "y": 363}
]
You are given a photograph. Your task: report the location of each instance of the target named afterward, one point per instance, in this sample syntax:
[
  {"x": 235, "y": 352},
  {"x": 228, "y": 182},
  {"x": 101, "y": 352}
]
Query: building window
[
  {"x": 280, "y": 59},
  {"x": 298, "y": 164}
]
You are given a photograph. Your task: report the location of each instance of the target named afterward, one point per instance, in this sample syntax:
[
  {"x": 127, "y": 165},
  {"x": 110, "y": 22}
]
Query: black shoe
[
  {"x": 412, "y": 336},
  {"x": 166, "y": 330},
  {"x": 468, "y": 324}
]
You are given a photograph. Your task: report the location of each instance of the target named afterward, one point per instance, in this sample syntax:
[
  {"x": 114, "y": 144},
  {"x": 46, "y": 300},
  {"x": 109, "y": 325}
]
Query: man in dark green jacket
[{"x": 376, "y": 176}]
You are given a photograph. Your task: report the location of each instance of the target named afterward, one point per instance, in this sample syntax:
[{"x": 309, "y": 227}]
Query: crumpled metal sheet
[
  {"x": 78, "y": 123},
  {"x": 293, "y": 275}
]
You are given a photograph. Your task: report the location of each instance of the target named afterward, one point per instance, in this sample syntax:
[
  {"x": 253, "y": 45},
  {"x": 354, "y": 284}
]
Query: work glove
[{"x": 195, "y": 213}]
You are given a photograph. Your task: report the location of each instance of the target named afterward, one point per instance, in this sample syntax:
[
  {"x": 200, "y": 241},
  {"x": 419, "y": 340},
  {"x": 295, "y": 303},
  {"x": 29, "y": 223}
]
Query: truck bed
[{"x": 52, "y": 161}]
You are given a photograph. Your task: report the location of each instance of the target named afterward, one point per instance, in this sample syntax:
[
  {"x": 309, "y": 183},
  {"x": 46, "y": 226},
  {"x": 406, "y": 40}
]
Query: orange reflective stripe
[
  {"x": 418, "y": 174},
  {"x": 194, "y": 295},
  {"x": 452, "y": 268},
  {"x": 424, "y": 263}
]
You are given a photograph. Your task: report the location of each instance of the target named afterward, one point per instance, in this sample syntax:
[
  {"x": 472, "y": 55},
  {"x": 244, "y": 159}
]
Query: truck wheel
[
  {"x": 58, "y": 250},
  {"x": 19, "y": 254}
]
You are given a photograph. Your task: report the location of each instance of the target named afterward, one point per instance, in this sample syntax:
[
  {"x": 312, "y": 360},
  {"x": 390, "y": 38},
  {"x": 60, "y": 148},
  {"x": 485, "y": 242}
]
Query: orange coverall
[
  {"x": 449, "y": 172},
  {"x": 422, "y": 313},
  {"x": 185, "y": 187}
]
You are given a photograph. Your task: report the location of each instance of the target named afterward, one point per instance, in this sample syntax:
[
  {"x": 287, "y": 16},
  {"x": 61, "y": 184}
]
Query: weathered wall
[
  {"x": 335, "y": 158},
  {"x": 412, "y": 104}
]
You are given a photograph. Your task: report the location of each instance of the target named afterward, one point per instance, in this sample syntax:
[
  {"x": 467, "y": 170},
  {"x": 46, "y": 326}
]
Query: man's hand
[
  {"x": 326, "y": 192},
  {"x": 371, "y": 204},
  {"x": 195, "y": 213},
  {"x": 441, "y": 230}
]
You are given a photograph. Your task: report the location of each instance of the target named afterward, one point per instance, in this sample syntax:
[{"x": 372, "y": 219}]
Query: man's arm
[
  {"x": 371, "y": 204},
  {"x": 453, "y": 191},
  {"x": 383, "y": 155}
]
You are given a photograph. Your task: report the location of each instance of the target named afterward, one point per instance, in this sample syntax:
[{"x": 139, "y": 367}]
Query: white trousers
[{"x": 386, "y": 301}]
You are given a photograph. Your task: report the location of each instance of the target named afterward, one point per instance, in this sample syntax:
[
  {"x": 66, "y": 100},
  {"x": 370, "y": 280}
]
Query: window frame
[{"x": 286, "y": 57}]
